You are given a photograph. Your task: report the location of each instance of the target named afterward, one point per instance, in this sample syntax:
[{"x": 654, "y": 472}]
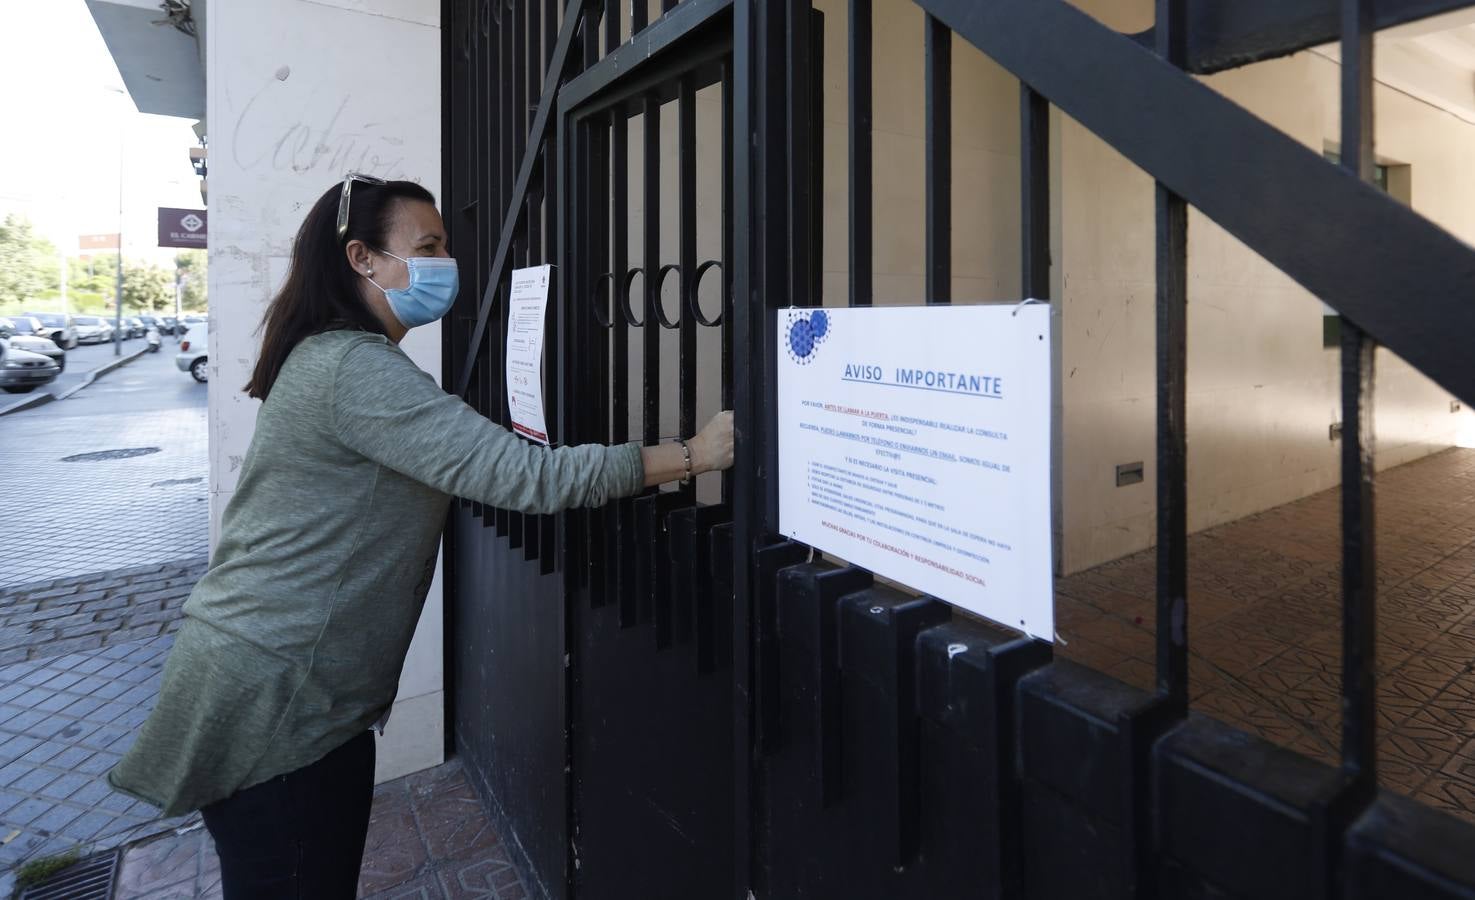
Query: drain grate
[
  {"x": 91, "y": 879},
  {"x": 103, "y": 455}
]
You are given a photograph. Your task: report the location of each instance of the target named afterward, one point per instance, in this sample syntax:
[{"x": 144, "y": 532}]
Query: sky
[{"x": 66, "y": 127}]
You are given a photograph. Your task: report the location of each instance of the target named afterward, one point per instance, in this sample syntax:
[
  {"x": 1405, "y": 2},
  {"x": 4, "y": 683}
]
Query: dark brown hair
[{"x": 321, "y": 292}]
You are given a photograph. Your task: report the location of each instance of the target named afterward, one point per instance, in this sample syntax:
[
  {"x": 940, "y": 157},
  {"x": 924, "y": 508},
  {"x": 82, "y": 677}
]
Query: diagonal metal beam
[
  {"x": 1224, "y": 34},
  {"x": 1404, "y": 280},
  {"x": 531, "y": 157}
]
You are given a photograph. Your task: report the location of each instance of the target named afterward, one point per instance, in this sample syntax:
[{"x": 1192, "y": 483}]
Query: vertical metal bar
[
  {"x": 1359, "y": 577},
  {"x": 1172, "y": 448},
  {"x": 451, "y": 186},
  {"x": 611, "y": 25},
  {"x": 686, "y": 156},
  {"x": 638, "y": 15},
  {"x": 861, "y": 192},
  {"x": 620, "y": 263},
  {"x": 506, "y": 175},
  {"x": 548, "y": 525},
  {"x": 939, "y": 189},
  {"x": 816, "y": 114},
  {"x": 726, "y": 296},
  {"x": 516, "y": 521},
  {"x": 533, "y": 212},
  {"x": 651, "y": 375},
  {"x": 801, "y": 137},
  {"x": 1034, "y": 187}
]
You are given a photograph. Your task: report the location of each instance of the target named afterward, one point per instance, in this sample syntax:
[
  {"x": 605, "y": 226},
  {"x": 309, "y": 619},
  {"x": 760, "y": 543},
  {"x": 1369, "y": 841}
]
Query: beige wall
[
  {"x": 1262, "y": 392},
  {"x": 290, "y": 113}
]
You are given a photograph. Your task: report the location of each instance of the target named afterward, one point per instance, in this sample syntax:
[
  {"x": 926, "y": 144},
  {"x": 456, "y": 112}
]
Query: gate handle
[
  {"x": 656, "y": 306},
  {"x": 696, "y": 307},
  {"x": 625, "y": 309},
  {"x": 605, "y": 321}
]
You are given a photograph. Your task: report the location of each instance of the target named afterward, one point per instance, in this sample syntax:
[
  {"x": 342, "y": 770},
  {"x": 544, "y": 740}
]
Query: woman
[{"x": 293, "y": 642}]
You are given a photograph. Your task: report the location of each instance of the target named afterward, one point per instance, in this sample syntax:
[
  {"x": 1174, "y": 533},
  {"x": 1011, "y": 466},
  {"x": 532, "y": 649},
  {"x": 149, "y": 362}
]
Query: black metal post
[
  {"x": 1359, "y": 578},
  {"x": 939, "y": 92},
  {"x": 1172, "y": 447}
]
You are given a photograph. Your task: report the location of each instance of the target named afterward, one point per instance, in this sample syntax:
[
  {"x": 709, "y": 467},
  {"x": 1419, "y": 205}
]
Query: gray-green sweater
[{"x": 293, "y": 642}]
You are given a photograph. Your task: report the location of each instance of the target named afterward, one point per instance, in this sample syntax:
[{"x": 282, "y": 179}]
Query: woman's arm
[
  {"x": 392, "y": 412},
  {"x": 711, "y": 451}
]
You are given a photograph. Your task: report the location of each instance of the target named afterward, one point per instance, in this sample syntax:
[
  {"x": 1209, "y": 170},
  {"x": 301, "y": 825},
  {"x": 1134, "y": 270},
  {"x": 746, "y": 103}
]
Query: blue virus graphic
[{"x": 806, "y": 332}]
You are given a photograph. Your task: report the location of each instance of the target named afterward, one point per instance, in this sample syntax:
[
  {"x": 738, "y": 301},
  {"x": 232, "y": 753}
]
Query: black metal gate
[{"x": 662, "y": 698}]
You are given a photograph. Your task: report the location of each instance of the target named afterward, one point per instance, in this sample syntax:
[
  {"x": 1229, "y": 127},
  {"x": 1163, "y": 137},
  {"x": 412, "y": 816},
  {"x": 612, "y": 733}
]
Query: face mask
[{"x": 434, "y": 281}]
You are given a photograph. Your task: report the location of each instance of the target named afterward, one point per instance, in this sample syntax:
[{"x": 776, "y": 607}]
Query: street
[{"x": 69, "y": 517}]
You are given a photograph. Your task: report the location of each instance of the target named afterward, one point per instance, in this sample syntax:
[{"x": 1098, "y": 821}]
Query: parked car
[
  {"x": 132, "y": 327},
  {"x": 22, "y": 371},
  {"x": 192, "y": 359},
  {"x": 171, "y": 325},
  {"x": 22, "y": 332},
  {"x": 59, "y": 327},
  {"x": 93, "y": 329}
]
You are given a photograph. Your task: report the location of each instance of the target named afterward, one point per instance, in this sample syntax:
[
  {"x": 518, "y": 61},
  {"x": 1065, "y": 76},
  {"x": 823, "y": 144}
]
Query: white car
[
  {"x": 194, "y": 361},
  {"x": 22, "y": 371},
  {"x": 93, "y": 329}
]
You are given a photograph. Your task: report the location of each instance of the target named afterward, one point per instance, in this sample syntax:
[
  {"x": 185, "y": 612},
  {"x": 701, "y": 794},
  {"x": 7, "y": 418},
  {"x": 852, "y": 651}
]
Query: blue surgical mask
[{"x": 434, "y": 281}]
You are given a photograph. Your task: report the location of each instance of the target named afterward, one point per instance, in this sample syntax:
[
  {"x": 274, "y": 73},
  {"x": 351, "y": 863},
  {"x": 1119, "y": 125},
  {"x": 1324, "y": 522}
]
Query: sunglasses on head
[{"x": 343, "y": 198}]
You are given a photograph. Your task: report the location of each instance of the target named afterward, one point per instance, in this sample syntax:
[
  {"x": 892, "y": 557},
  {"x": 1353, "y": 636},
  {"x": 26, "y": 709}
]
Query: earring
[{"x": 371, "y": 273}]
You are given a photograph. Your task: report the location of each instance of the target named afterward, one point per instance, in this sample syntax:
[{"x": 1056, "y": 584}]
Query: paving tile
[
  {"x": 424, "y": 887},
  {"x": 25, "y": 812},
  {"x": 25, "y": 721},
  {"x": 62, "y": 680},
  {"x": 17, "y": 746},
  {"x": 9, "y": 799},
  {"x": 86, "y": 827},
  {"x": 33, "y": 781},
  {"x": 55, "y": 703},
  {"x": 65, "y": 786},
  {"x": 90, "y": 664},
  {"x": 55, "y": 819},
  {"x": 82, "y": 706},
  {"x": 393, "y": 850},
  {"x": 98, "y": 763},
  {"x": 485, "y": 878},
  {"x": 12, "y": 771},
  {"x": 452, "y": 822},
  {"x": 160, "y": 865}
]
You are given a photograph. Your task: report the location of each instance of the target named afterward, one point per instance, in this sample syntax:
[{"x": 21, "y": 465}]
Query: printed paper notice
[
  {"x": 915, "y": 442},
  {"x": 525, "y": 318}
]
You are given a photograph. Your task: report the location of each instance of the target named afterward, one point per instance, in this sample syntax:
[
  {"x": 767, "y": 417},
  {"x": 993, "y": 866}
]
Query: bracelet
[{"x": 686, "y": 458}]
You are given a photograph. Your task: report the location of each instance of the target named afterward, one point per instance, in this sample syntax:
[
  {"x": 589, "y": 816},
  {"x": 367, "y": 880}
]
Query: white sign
[
  {"x": 915, "y": 442},
  {"x": 525, "y": 352}
]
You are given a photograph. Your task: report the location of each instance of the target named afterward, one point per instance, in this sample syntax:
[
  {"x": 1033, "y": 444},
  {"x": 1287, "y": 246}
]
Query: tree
[
  {"x": 96, "y": 275},
  {"x": 146, "y": 288},
  {"x": 28, "y": 262},
  {"x": 193, "y": 266}
]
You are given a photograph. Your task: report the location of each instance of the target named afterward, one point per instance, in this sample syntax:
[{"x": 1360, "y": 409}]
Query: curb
[
  {"x": 103, "y": 370},
  {"x": 42, "y": 399}
]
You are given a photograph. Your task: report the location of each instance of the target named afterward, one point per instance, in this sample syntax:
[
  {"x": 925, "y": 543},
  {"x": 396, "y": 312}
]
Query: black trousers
[{"x": 299, "y": 836}]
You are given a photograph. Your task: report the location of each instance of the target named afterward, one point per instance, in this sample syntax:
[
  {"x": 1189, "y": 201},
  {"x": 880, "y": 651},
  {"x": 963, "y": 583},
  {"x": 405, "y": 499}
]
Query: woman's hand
[{"x": 711, "y": 449}]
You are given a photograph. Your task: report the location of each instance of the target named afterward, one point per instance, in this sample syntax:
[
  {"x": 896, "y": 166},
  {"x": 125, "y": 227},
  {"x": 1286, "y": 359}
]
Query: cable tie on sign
[{"x": 1027, "y": 302}]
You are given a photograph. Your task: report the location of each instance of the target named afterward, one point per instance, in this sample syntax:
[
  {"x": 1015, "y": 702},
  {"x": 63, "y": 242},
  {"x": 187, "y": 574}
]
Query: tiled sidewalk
[
  {"x": 1264, "y": 623},
  {"x": 64, "y": 721},
  {"x": 428, "y": 840},
  {"x": 102, "y": 514}
]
